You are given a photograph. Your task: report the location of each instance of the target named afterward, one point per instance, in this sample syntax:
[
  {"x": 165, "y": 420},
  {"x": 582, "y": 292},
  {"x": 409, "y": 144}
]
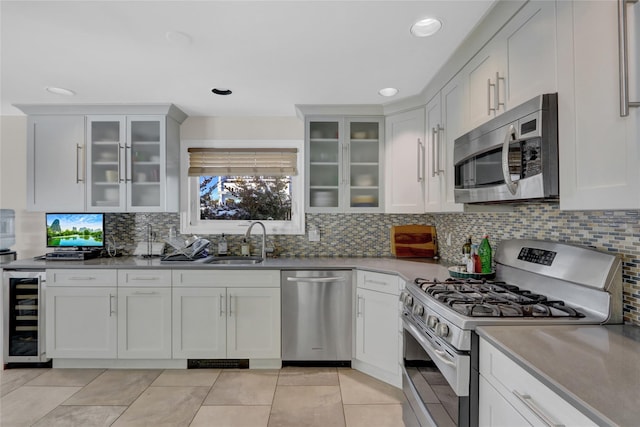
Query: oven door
[{"x": 435, "y": 379}]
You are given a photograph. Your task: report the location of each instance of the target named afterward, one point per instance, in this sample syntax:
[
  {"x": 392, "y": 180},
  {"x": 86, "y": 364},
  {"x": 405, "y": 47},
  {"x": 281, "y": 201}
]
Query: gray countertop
[
  {"x": 595, "y": 368},
  {"x": 407, "y": 269}
]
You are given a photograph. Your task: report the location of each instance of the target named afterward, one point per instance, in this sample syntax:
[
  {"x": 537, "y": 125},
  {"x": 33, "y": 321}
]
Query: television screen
[{"x": 75, "y": 230}]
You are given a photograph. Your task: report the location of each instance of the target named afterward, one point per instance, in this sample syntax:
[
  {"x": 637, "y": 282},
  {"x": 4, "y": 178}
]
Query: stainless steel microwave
[{"x": 512, "y": 157}]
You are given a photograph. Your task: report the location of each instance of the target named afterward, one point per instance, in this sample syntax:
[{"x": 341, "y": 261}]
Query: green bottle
[{"x": 484, "y": 252}]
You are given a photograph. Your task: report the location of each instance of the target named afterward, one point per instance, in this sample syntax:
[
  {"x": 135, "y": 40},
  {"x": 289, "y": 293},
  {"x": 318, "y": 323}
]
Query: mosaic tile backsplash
[{"x": 367, "y": 235}]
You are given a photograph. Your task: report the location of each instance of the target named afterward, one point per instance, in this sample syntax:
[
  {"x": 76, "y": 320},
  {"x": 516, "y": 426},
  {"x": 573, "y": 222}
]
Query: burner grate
[{"x": 485, "y": 298}]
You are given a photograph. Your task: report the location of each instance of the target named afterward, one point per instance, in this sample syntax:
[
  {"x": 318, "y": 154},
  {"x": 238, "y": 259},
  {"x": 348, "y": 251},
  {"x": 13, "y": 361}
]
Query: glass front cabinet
[
  {"x": 130, "y": 164},
  {"x": 344, "y": 167}
]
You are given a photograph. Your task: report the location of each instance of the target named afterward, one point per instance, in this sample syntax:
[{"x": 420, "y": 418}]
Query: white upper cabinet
[
  {"x": 599, "y": 165},
  {"x": 132, "y": 164},
  {"x": 516, "y": 65},
  {"x": 405, "y": 162},
  {"x": 120, "y": 158},
  {"x": 445, "y": 118},
  {"x": 344, "y": 167},
  {"x": 56, "y": 167}
]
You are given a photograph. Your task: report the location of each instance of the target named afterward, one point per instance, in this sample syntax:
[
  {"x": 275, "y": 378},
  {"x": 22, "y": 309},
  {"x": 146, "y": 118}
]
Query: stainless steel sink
[{"x": 236, "y": 260}]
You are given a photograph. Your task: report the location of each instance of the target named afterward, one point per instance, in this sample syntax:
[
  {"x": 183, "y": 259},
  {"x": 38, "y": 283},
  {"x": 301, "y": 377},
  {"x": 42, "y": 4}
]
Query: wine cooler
[{"x": 24, "y": 317}]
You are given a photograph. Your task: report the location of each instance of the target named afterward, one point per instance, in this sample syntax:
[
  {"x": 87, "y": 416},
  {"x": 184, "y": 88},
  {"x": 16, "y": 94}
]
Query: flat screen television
[{"x": 75, "y": 230}]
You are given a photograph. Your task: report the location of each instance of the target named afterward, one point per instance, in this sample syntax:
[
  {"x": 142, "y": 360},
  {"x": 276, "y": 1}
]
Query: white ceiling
[{"x": 272, "y": 54}]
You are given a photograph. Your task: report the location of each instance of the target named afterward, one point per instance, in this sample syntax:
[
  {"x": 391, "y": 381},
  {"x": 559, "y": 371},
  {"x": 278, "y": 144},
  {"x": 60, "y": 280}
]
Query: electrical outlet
[{"x": 314, "y": 234}]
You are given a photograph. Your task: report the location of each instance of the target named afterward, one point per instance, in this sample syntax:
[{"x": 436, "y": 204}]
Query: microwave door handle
[{"x": 511, "y": 186}]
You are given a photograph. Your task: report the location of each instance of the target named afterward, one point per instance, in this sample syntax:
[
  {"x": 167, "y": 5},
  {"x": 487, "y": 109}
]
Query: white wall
[{"x": 30, "y": 226}]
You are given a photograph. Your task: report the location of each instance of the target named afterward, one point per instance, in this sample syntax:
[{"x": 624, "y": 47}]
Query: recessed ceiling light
[
  {"x": 426, "y": 27},
  {"x": 388, "y": 91},
  {"x": 59, "y": 91},
  {"x": 221, "y": 91}
]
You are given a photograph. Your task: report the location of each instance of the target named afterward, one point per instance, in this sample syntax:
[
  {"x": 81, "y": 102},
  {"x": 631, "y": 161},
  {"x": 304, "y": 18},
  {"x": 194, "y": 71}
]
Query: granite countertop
[
  {"x": 408, "y": 269},
  {"x": 595, "y": 368}
]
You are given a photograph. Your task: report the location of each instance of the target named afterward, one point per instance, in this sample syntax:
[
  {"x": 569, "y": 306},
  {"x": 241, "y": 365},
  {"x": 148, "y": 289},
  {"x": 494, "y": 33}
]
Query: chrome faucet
[{"x": 264, "y": 238}]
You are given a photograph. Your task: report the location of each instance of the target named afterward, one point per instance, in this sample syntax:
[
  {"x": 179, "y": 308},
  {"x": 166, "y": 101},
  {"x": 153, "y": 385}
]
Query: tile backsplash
[{"x": 367, "y": 235}]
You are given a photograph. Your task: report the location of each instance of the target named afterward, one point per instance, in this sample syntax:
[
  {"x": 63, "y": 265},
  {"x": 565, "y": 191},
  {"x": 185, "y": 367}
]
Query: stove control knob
[
  {"x": 408, "y": 301},
  {"x": 418, "y": 310},
  {"x": 432, "y": 321},
  {"x": 403, "y": 296},
  {"x": 442, "y": 330}
]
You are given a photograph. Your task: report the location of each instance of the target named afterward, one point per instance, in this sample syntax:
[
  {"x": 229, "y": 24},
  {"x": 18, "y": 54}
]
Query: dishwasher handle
[{"x": 316, "y": 279}]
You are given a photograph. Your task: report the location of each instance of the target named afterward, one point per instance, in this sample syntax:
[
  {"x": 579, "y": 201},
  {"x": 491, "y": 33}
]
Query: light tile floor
[{"x": 326, "y": 397}]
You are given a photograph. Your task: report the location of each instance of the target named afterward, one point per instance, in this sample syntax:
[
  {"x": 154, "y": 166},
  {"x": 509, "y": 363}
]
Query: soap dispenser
[{"x": 222, "y": 246}]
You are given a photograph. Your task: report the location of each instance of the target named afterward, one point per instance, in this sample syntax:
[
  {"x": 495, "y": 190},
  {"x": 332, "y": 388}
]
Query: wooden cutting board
[{"x": 414, "y": 241}]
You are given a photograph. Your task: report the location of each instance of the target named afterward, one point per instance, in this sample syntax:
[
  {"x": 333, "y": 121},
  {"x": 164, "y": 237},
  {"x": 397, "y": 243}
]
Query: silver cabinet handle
[
  {"x": 529, "y": 403},
  {"x": 145, "y": 293},
  {"x": 78, "y": 179},
  {"x": 222, "y": 301},
  {"x": 144, "y": 278},
  {"x": 111, "y": 310},
  {"x": 420, "y": 159},
  {"x": 82, "y": 278},
  {"x": 489, "y": 86},
  {"x": 359, "y": 308},
  {"x": 434, "y": 137},
  {"x": 497, "y": 92},
  {"x": 623, "y": 59},
  {"x": 230, "y": 305},
  {"x": 511, "y": 134},
  {"x": 439, "y": 169}
]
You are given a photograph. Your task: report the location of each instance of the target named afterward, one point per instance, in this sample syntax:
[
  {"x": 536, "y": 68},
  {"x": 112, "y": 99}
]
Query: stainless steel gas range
[{"x": 536, "y": 283}]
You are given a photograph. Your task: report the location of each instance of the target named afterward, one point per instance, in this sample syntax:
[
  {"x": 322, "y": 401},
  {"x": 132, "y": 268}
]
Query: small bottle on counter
[
  {"x": 466, "y": 248},
  {"x": 477, "y": 266},
  {"x": 471, "y": 267},
  {"x": 245, "y": 249},
  {"x": 484, "y": 252},
  {"x": 222, "y": 246}
]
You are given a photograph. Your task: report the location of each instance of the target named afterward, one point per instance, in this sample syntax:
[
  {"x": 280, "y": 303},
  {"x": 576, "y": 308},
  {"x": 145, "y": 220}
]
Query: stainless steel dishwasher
[{"x": 317, "y": 324}]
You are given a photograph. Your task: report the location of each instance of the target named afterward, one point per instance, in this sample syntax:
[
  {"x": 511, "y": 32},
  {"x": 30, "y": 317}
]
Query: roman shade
[{"x": 243, "y": 161}]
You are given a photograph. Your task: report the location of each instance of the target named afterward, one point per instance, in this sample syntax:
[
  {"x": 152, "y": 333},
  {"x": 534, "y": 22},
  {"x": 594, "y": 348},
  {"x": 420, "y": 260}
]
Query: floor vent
[{"x": 218, "y": 364}]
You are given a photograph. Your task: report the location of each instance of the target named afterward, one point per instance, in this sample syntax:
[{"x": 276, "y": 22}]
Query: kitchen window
[{"x": 228, "y": 184}]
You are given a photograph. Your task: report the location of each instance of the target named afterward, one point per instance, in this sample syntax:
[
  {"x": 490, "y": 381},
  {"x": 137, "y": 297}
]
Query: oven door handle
[
  {"x": 511, "y": 186},
  {"x": 441, "y": 355}
]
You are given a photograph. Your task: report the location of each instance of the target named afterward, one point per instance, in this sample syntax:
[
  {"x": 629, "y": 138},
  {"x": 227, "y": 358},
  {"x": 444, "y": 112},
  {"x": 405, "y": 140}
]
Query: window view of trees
[{"x": 245, "y": 198}]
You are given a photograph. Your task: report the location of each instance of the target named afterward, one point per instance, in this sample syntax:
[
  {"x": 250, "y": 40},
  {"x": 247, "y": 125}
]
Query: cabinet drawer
[
  {"x": 82, "y": 277},
  {"x": 529, "y": 396},
  {"x": 144, "y": 278},
  {"x": 387, "y": 283},
  {"x": 227, "y": 278}
]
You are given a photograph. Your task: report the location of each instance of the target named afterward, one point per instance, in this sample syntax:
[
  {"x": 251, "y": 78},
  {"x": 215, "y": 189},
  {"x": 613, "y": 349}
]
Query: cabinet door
[
  {"x": 56, "y": 167},
  {"x": 377, "y": 335},
  {"x": 144, "y": 323},
  {"x": 453, "y": 120},
  {"x": 145, "y": 172},
  {"x": 598, "y": 149},
  {"x": 484, "y": 79},
  {"x": 253, "y": 321},
  {"x": 106, "y": 157},
  {"x": 324, "y": 172},
  {"x": 405, "y": 162},
  {"x": 363, "y": 165},
  {"x": 529, "y": 42},
  {"x": 199, "y": 323},
  {"x": 433, "y": 158},
  {"x": 81, "y": 322},
  {"x": 494, "y": 410}
]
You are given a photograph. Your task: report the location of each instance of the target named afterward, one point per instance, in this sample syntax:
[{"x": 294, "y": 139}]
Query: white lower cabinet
[
  {"x": 511, "y": 396},
  {"x": 213, "y": 321},
  {"x": 378, "y": 339},
  {"x": 81, "y": 322},
  {"x": 144, "y": 323},
  {"x": 199, "y": 323}
]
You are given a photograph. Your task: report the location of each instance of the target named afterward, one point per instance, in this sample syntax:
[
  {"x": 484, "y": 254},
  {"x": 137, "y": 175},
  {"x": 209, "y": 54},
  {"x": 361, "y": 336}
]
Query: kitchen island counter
[
  {"x": 594, "y": 368},
  {"x": 407, "y": 269}
]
